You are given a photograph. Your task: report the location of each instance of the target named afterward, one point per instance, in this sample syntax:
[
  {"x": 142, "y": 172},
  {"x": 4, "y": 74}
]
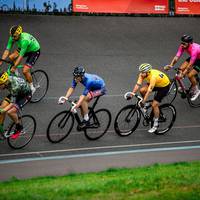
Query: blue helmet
[{"x": 79, "y": 71}]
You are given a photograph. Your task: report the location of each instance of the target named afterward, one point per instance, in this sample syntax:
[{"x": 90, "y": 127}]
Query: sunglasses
[{"x": 184, "y": 43}]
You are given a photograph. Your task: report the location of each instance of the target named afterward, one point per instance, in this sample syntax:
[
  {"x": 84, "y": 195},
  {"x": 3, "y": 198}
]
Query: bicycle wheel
[
  {"x": 166, "y": 119},
  {"x": 172, "y": 93},
  {"x": 127, "y": 120},
  {"x": 41, "y": 83},
  {"x": 196, "y": 102},
  {"x": 99, "y": 123},
  {"x": 60, "y": 126},
  {"x": 26, "y": 135}
]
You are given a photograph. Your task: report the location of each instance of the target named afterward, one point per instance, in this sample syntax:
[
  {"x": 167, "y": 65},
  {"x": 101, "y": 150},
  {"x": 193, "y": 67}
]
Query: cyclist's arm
[
  {"x": 150, "y": 88},
  {"x": 17, "y": 62},
  {"x": 69, "y": 92},
  {"x": 5, "y": 54},
  {"x": 138, "y": 84},
  {"x": 174, "y": 61},
  {"x": 8, "y": 48},
  {"x": 81, "y": 98}
]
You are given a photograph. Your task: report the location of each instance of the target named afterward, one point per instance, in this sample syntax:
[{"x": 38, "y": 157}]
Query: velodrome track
[{"x": 112, "y": 47}]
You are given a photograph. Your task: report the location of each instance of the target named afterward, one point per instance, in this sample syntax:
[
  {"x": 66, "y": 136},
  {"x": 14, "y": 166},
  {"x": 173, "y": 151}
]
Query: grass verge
[{"x": 156, "y": 182}]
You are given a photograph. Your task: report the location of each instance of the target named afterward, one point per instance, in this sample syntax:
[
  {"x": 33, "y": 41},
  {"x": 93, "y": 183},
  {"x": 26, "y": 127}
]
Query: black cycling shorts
[
  {"x": 21, "y": 100},
  {"x": 196, "y": 64},
  {"x": 31, "y": 57},
  {"x": 161, "y": 92}
]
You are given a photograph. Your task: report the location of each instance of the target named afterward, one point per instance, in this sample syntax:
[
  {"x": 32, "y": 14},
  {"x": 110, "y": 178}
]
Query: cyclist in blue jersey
[{"x": 94, "y": 87}]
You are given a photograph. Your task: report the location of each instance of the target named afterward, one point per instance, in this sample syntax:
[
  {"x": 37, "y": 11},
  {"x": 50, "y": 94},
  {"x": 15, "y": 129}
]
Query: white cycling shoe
[
  {"x": 195, "y": 95},
  {"x": 153, "y": 129}
]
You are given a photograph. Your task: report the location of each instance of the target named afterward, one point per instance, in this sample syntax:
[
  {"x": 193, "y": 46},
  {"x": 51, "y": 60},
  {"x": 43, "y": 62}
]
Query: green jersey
[{"x": 26, "y": 43}]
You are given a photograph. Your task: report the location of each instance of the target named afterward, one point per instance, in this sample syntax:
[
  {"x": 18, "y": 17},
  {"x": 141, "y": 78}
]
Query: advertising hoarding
[
  {"x": 187, "y": 7},
  {"x": 122, "y": 6}
]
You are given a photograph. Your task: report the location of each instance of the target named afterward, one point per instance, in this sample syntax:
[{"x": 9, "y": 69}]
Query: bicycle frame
[
  {"x": 10, "y": 66},
  {"x": 76, "y": 115}
]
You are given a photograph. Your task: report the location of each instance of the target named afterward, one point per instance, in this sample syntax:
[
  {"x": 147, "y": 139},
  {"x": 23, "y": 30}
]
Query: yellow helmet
[
  {"x": 3, "y": 77},
  {"x": 15, "y": 30}
]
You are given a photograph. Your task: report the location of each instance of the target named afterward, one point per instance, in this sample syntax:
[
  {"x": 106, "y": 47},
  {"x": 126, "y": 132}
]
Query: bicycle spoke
[
  {"x": 99, "y": 124},
  {"x": 60, "y": 126},
  {"x": 41, "y": 83},
  {"x": 127, "y": 120},
  {"x": 166, "y": 119},
  {"x": 26, "y": 135}
]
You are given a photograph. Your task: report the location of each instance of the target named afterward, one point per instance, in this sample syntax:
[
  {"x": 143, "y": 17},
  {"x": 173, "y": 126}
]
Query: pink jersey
[{"x": 193, "y": 50}]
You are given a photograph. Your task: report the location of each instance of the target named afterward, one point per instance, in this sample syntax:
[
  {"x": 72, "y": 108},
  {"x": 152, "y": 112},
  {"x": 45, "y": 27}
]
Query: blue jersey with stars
[{"x": 91, "y": 82}]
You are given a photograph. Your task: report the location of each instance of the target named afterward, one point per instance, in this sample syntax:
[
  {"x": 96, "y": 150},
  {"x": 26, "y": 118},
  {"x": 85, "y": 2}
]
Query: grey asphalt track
[{"x": 111, "y": 47}]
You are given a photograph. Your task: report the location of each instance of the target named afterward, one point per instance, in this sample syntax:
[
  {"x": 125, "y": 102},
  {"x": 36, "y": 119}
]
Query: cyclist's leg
[
  {"x": 84, "y": 106},
  {"x": 4, "y": 104},
  {"x": 159, "y": 95},
  {"x": 143, "y": 90},
  {"x": 13, "y": 56},
  {"x": 184, "y": 65},
  {"x": 30, "y": 62},
  {"x": 194, "y": 84},
  {"x": 20, "y": 101}
]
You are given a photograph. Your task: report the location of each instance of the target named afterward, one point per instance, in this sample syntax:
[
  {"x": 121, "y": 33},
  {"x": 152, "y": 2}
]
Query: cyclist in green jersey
[
  {"x": 19, "y": 94},
  {"x": 28, "y": 47}
]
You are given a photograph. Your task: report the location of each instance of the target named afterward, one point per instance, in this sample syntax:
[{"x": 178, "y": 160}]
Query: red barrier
[
  {"x": 187, "y": 7},
  {"x": 122, "y": 6}
]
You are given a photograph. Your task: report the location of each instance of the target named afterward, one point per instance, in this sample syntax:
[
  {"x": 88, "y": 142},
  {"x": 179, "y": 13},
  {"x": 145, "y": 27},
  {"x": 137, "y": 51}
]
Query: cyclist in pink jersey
[{"x": 191, "y": 66}]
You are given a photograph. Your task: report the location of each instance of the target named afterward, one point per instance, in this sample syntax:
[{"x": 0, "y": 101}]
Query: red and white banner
[
  {"x": 122, "y": 6},
  {"x": 187, "y": 7}
]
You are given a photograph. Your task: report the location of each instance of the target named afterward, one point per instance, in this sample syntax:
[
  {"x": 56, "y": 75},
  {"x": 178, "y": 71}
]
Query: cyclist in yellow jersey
[{"x": 156, "y": 81}]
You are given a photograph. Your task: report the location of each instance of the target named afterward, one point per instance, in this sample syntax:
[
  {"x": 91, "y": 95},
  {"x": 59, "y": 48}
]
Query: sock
[
  {"x": 196, "y": 88},
  {"x": 19, "y": 127},
  {"x": 155, "y": 122},
  {"x": 86, "y": 117},
  {"x": 1, "y": 128},
  {"x": 31, "y": 85}
]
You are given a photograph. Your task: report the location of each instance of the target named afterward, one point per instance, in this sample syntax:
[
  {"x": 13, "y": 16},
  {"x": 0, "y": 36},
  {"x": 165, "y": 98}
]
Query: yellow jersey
[{"x": 158, "y": 78}]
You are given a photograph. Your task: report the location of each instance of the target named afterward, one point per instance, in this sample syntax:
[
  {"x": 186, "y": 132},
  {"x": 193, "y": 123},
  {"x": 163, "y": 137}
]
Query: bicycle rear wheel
[
  {"x": 99, "y": 123},
  {"x": 172, "y": 93},
  {"x": 60, "y": 126},
  {"x": 127, "y": 120},
  {"x": 26, "y": 135},
  {"x": 166, "y": 119},
  {"x": 41, "y": 83}
]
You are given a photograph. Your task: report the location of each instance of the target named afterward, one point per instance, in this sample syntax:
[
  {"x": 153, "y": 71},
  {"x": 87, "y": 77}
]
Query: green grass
[{"x": 157, "y": 182}]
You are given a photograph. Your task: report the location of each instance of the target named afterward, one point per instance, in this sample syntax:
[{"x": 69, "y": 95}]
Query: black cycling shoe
[{"x": 84, "y": 124}]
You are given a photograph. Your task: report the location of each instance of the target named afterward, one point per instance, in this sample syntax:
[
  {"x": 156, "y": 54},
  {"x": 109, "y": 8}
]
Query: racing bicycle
[
  {"x": 40, "y": 81},
  {"x": 62, "y": 123},
  {"x": 178, "y": 86},
  {"x": 129, "y": 117}
]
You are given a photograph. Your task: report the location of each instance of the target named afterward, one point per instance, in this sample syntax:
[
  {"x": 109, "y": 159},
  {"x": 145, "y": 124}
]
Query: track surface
[{"x": 112, "y": 47}]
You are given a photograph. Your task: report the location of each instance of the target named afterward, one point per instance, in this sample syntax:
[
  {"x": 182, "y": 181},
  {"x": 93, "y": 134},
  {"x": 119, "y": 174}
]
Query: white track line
[{"x": 96, "y": 148}]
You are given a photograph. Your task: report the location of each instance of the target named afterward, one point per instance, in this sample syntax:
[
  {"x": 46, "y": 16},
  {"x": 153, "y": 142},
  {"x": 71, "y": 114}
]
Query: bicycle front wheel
[
  {"x": 26, "y": 135},
  {"x": 166, "y": 119},
  {"x": 60, "y": 126},
  {"x": 127, "y": 120},
  {"x": 41, "y": 84},
  {"x": 99, "y": 123}
]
